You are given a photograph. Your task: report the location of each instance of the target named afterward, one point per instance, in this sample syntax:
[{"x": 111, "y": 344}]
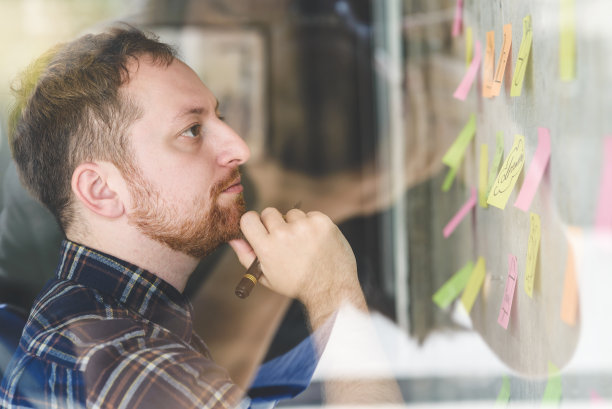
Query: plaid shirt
[{"x": 107, "y": 334}]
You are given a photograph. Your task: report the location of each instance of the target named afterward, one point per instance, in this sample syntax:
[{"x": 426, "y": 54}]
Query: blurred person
[{"x": 123, "y": 143}]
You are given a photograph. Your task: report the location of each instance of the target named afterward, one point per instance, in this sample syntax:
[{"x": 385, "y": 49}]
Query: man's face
[{"x": 185, "y": 189}]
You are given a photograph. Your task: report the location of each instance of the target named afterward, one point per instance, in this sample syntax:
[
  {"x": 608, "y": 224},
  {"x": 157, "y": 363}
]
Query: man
[{"x": 123, "y": 143}]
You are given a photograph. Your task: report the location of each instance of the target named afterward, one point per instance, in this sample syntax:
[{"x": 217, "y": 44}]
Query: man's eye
[{"x": 192, "y": 132}]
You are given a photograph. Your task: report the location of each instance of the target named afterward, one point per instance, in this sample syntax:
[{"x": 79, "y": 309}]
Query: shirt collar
[{"x": 137, "y": 289}]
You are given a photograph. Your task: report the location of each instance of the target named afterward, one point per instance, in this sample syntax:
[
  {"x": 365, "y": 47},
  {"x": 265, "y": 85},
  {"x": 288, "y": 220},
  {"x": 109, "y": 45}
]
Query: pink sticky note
[
  {"x": 535, "y": 172},
  {"x": 506, "y": 306},
  {"x": 603, "y": 219},
  {"x": 466, "y": 83},
  {"x": 454, "y": 222},
  {"x": 458, "y": 21}
]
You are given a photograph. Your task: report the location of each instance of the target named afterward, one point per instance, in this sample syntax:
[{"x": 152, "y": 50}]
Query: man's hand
[{"x": 302, "y": 255}]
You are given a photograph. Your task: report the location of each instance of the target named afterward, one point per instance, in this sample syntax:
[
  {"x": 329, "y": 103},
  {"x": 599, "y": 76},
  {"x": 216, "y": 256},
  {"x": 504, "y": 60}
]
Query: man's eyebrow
[{"x": 196, "y": 110}]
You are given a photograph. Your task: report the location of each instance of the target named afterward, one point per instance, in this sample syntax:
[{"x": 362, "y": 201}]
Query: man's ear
[{"x": 90, "y": 184}]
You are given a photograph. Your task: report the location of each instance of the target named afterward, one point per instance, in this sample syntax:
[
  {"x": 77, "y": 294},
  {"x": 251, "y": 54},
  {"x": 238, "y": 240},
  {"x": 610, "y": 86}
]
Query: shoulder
[{"x": 156, "y": 372}]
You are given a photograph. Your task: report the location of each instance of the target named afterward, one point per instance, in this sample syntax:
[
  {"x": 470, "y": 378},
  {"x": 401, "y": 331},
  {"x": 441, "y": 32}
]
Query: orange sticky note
[
  {"x": 533, "y": 247},
  {"x": 502, "y": 61},
  {"x": 488, "y": 65},
  {"x": 569, "y": 302}
]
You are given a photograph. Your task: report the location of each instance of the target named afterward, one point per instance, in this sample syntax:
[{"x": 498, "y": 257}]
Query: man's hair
[{"x": 69, "y": 109}]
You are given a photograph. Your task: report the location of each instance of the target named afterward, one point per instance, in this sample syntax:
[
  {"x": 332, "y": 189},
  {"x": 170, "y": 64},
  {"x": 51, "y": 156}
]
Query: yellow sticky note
[
  {"x": 497, "y": 160},
  {"x": 455, "y": 153},
  {"x": 473, "y": 285},
  {"x": 567, "y": 41},
  {"x": 508, "y": 175},
  {"x": 502, "y": 61},
  {"x": 453, "y": 287},
  {"x": 469, "y": 48},
  {"x": 569, "y": 302},
  {"x": 522, "y": 59},
  {"x": 483, "y": 176},
  {"x": 488, "y": 65},
  {"x": 533, "y": 247}
]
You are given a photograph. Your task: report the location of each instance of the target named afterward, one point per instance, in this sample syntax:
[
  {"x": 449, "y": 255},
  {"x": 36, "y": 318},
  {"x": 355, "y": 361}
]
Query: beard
[{"x": 195, "y": 231}]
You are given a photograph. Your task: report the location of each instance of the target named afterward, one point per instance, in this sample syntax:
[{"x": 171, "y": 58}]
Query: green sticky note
[
  {"x": 448, "y": 180},
  {"x": 522, "y": 59},
  {"x": 552, "y": 393},
  {"x": 453, "y": 287},
  {"x": 455, "y": 153},
  {"x": 504, "y": 393},
  {"x": 567, "y": 41},
  {"x": 472, "y": 288},
  {"x": 497, "y": 160},
  {"x": 509, "y": 174}
]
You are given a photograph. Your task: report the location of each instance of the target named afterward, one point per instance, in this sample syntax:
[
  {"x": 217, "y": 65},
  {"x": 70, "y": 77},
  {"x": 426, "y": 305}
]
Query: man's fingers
[
  {"x": 272, "y": 218},
  {"x": 294, "y": 214},
  {"x": 243, "y": 250},
  {"x": 253, "y": 229}
]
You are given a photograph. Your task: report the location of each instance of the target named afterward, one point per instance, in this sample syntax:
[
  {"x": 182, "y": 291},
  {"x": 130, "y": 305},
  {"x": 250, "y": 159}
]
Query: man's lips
[{"x": 235, "y": 187}]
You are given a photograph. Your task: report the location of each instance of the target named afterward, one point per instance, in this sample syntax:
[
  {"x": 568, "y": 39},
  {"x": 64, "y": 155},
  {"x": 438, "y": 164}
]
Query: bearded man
[{"x": 125, "y": 146}]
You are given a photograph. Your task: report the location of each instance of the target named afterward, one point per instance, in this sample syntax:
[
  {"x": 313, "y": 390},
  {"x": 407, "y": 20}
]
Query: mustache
[{"x": 225, "y": 183}]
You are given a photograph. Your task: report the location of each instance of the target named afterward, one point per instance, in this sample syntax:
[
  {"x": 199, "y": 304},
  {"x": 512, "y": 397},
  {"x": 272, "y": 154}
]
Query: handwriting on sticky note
[
  {"x": 567, "y": 41},
  {"x": 504, "y": 393},
  {"x": 488, "y": 65},
  {"x": 502, "y": 61},
  {"x": 508, "y": 175},
  {"x": 453, "y": 287},
  {"x": 523, "y": 58},
  {"x": 460, "y": 215},
  {"x": 455, "y": 153},
  {"x": 533, "y": 247},
  {"x": 553, "y": 391},
  {"x": 535, "y": 171},
  {"x": 472, "y": 288},
  {"x": 482, "y": 175},
  {"x": 458, "y": 20},
  {"x": 467, "y": 81},
  {"x": 497, "y": 160},
  {"x": 506, "y": 306},
  {"x": 569, "y": 301},
  {"x": 603, "y": 218}
]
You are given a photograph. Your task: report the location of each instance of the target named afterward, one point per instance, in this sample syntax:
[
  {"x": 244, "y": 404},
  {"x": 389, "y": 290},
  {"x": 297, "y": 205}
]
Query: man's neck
[{"x": 134, "y": 247}]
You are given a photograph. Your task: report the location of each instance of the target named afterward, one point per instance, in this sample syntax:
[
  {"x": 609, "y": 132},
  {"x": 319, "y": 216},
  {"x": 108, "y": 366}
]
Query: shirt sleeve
[{"x": 149, "y": 373}]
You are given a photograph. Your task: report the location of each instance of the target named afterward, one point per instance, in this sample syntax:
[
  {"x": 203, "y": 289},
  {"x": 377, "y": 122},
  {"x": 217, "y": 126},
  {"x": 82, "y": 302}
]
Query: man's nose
[{"x": 233, "y": 151}]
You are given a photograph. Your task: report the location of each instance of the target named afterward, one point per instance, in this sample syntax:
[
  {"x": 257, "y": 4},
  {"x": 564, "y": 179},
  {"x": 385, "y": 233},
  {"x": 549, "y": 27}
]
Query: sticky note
[
  {"x": 508, "y": 175},
  {"x": 467, "y": 81},
  {"x": 455, "y": 153},
  {"x": 569, "y": 301},
  {"x": 458, "y": 20},
  {"x": 473, "y": 285},
  {"x": 567, "y": 41},
  {"x": 504, "y": 393},
  {"x": 453, "y": 287},
  {"x": 506, "y": 306},
  {"x": 448, "y": 179},
  {"x": 552, "y": 393},
  {"x": 488, "y": 65},
  {"x": 497, "y": 160},
  {"x": 535, "y": 171},
  {"x": 469, "y": 48},
  {"x": 460, "y": 215},
  {"x": 522, "y": 59},
  {"x": 502, "y": 61},
  {"x": 603, "y": 218},
  {"x": 533, "y": 247},
  {"x": 483, "y": 175}
]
